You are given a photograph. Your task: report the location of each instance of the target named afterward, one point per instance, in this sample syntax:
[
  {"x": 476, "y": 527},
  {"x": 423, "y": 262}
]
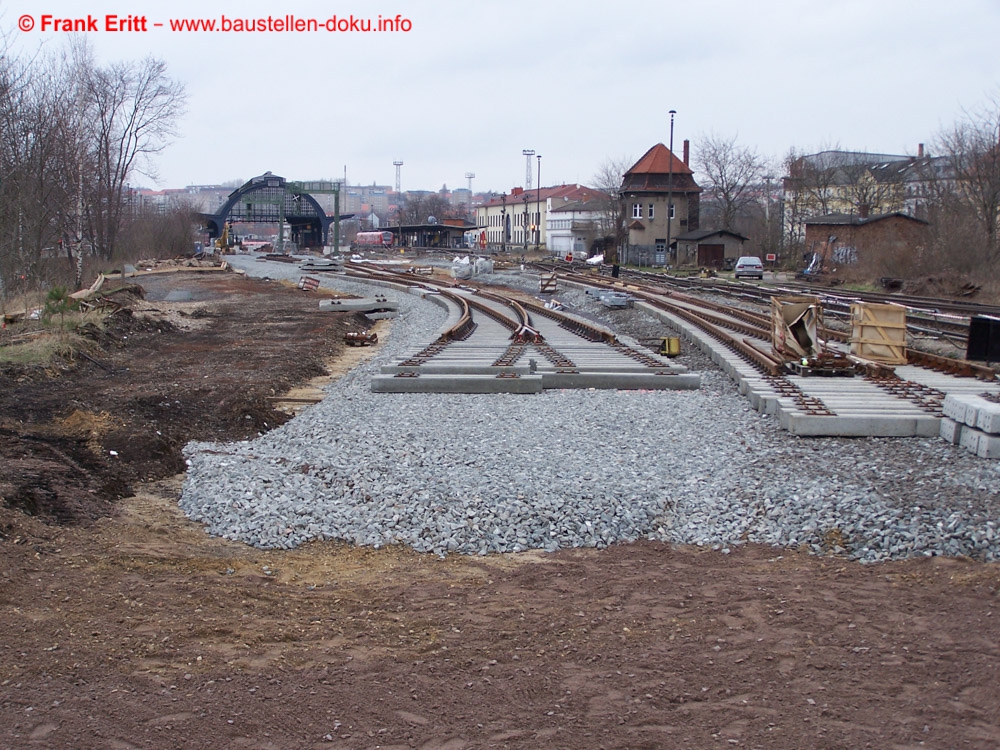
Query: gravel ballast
[{"x": 482, "y": 474}]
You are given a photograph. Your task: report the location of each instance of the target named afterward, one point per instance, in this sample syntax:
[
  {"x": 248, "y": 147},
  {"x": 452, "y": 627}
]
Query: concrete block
[
  {"x": 970, "y": 439},
  {"x": 971, "y": 415},
  {"x": 954, "y": 406},
  {"x": 951, "y": 430},
  {"x": 988, "y": 417},
  {"x": 455, "y": 384},
  {"x": 455, "y": 370},
  {"x": 622, "y": 381},
  {"x": 364, "y": 304},
  {"x": 989, "y": 446},
  {"x": 868, "y": 426}
]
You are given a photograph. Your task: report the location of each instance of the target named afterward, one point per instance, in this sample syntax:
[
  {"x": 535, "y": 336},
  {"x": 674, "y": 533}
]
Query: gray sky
[{"x": 475, "y": 82}]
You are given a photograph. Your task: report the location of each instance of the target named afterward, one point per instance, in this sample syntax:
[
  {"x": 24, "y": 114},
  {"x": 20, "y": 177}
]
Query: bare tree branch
[
  {"x": 732, "y": 175},
  {"x": 972, "y": 150}
]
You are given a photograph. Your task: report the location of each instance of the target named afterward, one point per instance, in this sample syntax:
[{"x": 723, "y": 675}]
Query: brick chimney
[
  {"x": 687, "y": 152},
  {"x": 920, "y": 151}
]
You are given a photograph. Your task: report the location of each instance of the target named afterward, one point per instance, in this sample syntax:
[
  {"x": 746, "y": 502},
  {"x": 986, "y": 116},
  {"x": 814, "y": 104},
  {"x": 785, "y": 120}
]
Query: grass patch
[
  {"x": 859, "y": 286},
  {"x": 42, "y": 347}
]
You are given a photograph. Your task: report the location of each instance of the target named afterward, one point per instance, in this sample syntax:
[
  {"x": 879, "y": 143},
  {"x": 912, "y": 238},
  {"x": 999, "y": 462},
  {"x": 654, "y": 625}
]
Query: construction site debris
[{"x": 360, "y": 338}]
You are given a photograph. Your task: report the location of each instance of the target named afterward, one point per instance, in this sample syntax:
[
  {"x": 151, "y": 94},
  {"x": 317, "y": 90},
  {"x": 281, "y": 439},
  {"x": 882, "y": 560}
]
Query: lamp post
[
  {"x": 670, "y": 181},
  {"x": 767, "y": 215},
  {"x": 503, "y": 223},
  {"x": 525, "y": 222},
  {"x": 538, "y": 206}
]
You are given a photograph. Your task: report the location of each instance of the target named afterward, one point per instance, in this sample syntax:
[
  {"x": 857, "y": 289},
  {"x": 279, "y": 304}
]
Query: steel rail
[{"x": 956, "y": 366}]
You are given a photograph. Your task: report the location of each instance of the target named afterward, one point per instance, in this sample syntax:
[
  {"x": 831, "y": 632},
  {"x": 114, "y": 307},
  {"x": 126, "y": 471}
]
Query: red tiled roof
[
  {"x": 659, "y": 160},
  {"x": 568, "y": 192}
]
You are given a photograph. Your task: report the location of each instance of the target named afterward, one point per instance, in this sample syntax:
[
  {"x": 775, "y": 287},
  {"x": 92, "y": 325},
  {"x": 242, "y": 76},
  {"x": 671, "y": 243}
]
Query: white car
[{"x": 749, "y": 266}]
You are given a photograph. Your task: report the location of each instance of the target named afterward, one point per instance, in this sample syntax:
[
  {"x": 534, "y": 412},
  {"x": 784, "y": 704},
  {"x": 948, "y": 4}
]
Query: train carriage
[{"x": 373, "y": 239}]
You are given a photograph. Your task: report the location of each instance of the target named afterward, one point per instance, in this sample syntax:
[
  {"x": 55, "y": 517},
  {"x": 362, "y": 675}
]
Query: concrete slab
[
  {"x": 363, "y": 304},
  {"x": 988, "y": 446},
  {"x": 860, "y": 426},
  {"x": 970, "y": 439},
  {"x": 955, "y": 405},
  {"x": 621, "y": 381},
  {"x": 951, "y": 430},
  {"x": 456, "y": 370},
  {"x": 988, "y": 417},
  {"x": 456, "y": 384}
]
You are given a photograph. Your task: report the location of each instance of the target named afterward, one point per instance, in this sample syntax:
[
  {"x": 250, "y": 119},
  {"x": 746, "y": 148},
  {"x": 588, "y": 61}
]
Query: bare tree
[
  {"x": 608, "y": 180},
  {"x": 417, "y": 209},
  {"x": 132, "y": 108},
  {"x": 33, "y": 180},
  {"x": 72, "y": 136},
  {"x": 874, "y": 188},
  {"x": 157, "y": 233},
  {"x": 972, "y": 150},
  {"x": 732, "y": 173}
]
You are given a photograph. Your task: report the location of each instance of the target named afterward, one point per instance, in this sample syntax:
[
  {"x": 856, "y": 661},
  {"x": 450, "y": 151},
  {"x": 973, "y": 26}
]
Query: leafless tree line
[
  {"x": 417, "y": 208},
  {"x": 955, "y": 186},
  {"x": 73, "y": 135}
]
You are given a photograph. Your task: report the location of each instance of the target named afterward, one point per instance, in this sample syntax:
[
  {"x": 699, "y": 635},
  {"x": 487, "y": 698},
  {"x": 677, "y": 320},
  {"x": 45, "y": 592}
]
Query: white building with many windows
[
  {"x": 573, "y": 228},
  {"x": 517, "y": 222}
]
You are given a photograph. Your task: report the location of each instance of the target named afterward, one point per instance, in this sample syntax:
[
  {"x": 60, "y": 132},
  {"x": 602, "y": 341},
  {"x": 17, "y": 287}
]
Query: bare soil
[{"x": 123, "y": 625}]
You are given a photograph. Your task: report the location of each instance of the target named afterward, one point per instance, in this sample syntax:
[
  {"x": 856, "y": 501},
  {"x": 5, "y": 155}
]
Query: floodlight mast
[
  {"x": 397, "y": 164},
  {"x": 528, "y": 153}
]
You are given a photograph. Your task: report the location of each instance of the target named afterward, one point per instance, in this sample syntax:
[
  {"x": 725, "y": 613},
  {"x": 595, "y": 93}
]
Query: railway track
[
  {"x": 510, "y": 342},
  {"x": 495, "y": 341},
  {"x": 926, "y": 316},
  {"x": 874, "y": 399},
  {"x": 758, "y": 324}
]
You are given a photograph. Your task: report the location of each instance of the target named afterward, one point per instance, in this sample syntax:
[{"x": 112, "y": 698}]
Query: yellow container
[{"x": 670, "y": 346}]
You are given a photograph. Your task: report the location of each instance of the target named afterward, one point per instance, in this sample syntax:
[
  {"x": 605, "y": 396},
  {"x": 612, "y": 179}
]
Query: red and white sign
[{"x": 771, "y": 257}]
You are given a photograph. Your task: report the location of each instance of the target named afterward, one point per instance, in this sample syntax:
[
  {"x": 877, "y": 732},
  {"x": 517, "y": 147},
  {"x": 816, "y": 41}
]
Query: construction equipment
[{"x": 223, "y": 243}]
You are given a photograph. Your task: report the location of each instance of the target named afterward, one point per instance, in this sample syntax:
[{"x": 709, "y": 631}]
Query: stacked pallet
[{"x": 972, "y": 422}]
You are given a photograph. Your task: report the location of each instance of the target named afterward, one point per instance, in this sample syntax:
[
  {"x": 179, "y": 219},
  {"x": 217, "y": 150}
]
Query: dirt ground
[{"x": 123, "y": 625}]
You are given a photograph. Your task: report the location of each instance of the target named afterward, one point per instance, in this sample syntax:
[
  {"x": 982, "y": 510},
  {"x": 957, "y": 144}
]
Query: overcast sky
[{"x": 473, "y": 83}]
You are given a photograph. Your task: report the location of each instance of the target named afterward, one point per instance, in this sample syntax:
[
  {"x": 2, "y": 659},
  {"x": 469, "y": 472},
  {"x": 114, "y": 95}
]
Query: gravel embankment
[{"x": 480, "y": 474}]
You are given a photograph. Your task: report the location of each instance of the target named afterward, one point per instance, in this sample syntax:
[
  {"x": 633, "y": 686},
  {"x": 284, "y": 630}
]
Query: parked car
[{"x": 750, "y": 267}]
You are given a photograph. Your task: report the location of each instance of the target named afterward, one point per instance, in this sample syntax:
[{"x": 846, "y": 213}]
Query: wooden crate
[{"x": 878, "y": 332}]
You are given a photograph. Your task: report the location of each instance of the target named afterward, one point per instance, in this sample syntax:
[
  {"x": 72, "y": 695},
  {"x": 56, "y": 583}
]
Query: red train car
[{"x": 373, "y": 239}]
